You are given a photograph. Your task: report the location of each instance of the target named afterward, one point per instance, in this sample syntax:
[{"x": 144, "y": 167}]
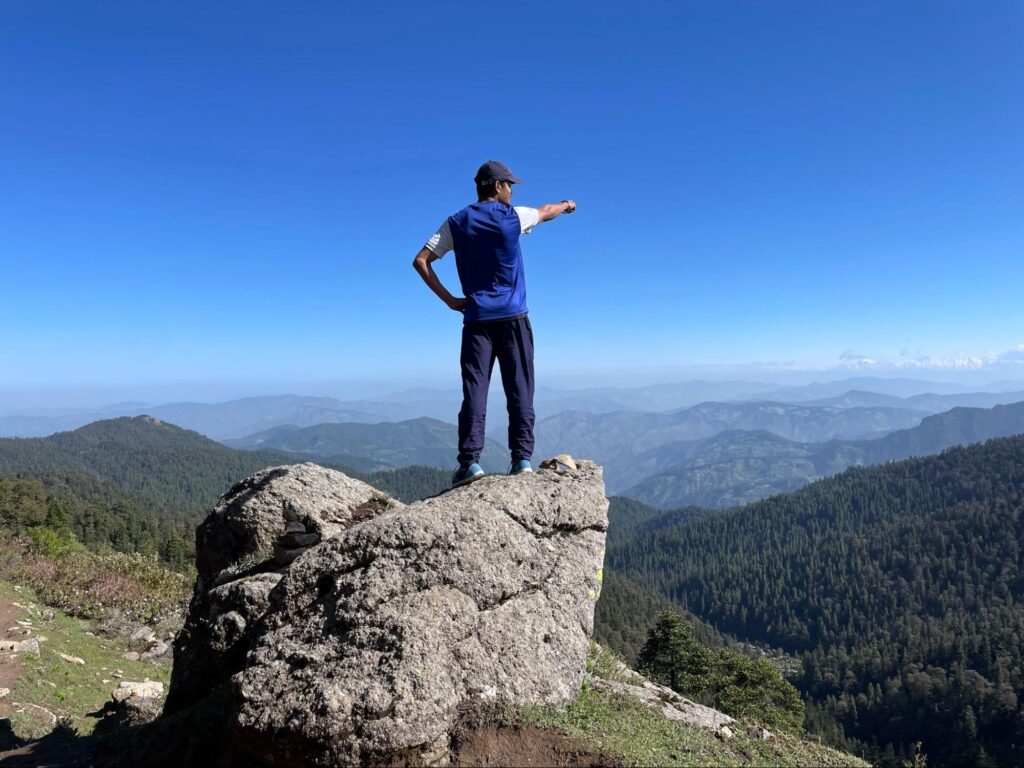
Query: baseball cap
[{"x": 492, "y": 170}]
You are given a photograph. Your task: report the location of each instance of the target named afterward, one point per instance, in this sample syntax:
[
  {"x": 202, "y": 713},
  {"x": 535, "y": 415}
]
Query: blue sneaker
[
  {"x": 520, "y": 467},
  {"x": 466, "y": 475}
]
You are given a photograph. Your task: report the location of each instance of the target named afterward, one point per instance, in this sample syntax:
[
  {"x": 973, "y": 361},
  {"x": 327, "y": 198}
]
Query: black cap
[{"x": 492, "y": 171}]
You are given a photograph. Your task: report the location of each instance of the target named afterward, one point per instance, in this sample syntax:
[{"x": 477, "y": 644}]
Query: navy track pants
[{"x": 510, "y": 342}]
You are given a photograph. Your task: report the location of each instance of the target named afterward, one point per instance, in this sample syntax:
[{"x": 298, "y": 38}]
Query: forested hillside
[
  {"x": 899, "y": 585},
  {"x": 140, "y": 485},
  {"x": 179, "y": 469},
  {"x": 98, "y": 514}
]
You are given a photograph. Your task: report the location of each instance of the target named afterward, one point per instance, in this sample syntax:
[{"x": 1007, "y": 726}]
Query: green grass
[
  {"x": 603, "y": 662},
  {"x": 80, "y": 689},
  {"x": 619, "y": 725},
  {"x": 600, "y": 720},
  {"x": 622, "y": 726}
]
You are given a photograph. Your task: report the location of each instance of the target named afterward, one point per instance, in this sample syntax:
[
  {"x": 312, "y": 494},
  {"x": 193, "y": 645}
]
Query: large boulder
[
  {"x": 369, "y": 645},
  {"x": 238, "y": 567}
]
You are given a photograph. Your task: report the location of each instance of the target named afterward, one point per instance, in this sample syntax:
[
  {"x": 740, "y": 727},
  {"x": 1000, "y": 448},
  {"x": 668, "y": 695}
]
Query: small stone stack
[
  {"x": 564, "y": 464},
  {"x": 295, "y": 540},
  {"x": 135, "y": 703}
]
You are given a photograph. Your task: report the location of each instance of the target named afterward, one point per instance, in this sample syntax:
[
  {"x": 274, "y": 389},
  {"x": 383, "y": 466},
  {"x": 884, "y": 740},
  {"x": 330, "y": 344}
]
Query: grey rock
[
  {"x": 134, "y": 703},
  {"x": 233, "y": 545},
  {"x": 143, "y": 634},
  {"x": 370, "y": 643},
  {"x": 285, "y": 555},
  {"x": 293, "y": 540},
  {"x": 136, "y": 711},
  {"x": 148, "y": 689},
  {"x": 671, "y": 705},
  {"x": 157, "y": 649},
  {"x": 250, "y": 517},
  {"x": 20, "y": 646}
]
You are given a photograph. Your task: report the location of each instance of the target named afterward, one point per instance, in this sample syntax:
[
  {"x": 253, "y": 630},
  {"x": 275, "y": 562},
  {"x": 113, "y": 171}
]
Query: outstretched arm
[
  {"x": 423, "y": 263},
  {"x": 553, "y": 210}
]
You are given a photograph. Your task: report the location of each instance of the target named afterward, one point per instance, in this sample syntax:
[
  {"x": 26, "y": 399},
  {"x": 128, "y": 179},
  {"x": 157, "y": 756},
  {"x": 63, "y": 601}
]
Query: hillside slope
[
  {"x": 899, "y": 585},
  {"x": 141, "y": 455}
]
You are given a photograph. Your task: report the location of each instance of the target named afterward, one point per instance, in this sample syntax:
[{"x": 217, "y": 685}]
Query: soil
[
  {"x": 57, "y": 750},
  {"x": 524, "y": 745},
  {"x": 9, "y": 667}
]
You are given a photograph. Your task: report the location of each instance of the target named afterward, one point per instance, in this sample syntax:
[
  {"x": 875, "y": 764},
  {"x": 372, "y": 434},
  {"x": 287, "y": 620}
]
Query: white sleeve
[
  {"x": 441, "y": 241},
  {"x": 528, "y": 218}
]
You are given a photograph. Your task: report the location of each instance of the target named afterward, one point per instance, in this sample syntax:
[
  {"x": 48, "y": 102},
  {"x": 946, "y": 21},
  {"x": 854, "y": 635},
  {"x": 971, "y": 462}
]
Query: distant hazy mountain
[
  {"x": 729, "y": 469},
  {"x": 423, "y": 441},
  {"x": 236, "y": 419},
  {"x": 254, "y": 414},
  {"x": 822, "y": 390},
  {"x": 47, "y": 421},
  {"x": 656, "y": 397},
  {"x": 632, "y": 445},
  {"x": 928, "y": 402},
  {"x": 734, "y": 468}
]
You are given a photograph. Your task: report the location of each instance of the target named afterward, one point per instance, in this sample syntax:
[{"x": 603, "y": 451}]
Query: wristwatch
[{"x": 571, "y": 208}]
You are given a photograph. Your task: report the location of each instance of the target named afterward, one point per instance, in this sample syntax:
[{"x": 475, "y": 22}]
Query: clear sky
[{"x": 199, "y": 191}]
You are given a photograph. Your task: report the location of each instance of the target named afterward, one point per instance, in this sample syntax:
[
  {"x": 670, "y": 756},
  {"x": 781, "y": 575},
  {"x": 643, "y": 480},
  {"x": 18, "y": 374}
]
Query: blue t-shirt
[{"x": 485, "y": 238}]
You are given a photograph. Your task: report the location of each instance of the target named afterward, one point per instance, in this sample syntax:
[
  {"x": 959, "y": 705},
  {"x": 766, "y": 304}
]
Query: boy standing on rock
[{"x": 485, "y": 238}]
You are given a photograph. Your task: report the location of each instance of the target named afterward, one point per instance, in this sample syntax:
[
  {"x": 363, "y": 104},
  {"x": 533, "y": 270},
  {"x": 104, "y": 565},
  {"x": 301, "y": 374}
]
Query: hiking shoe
[
  {"x": 466, "y": 475},
  {"x": 519, "y": 467}
]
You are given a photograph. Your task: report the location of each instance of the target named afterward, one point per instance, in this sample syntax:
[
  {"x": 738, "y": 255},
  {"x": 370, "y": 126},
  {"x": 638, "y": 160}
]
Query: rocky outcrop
[
  {"x": 670, "y": 704},
  {"x": 369, "y": 644}
]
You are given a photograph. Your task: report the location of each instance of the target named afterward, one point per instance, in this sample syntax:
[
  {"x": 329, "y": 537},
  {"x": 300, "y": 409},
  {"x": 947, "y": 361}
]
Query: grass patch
[
  {"x": 619, "y": 725},
  {"x": 643, "y": 737},
  {"x": 603, "y": 662},
  {"x": 67, "y": 689}
]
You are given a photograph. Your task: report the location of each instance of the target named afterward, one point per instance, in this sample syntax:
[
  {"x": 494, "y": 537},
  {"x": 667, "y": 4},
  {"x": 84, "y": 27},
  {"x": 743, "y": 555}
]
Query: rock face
[{"x": 369, "y": 644}]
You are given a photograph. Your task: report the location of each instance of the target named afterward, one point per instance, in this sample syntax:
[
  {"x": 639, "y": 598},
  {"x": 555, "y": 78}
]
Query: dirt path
[{"x": 10, "y": 667}]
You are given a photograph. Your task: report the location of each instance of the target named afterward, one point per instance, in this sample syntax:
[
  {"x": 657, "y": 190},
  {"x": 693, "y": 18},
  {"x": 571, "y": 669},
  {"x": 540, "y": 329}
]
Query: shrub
[
  {"x": 83, "y": 584},
  {"x": 53, "y": 543},
  {"x": 741, "y": 687}
]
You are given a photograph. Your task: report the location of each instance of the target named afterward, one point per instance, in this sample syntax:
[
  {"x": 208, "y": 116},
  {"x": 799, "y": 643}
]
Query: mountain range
[
  {"x": 737, "y": 467},
  {"x": 635, "y": 445},
  {"x": 422, "y": 441},
  {"x": 239, "y": 418}
]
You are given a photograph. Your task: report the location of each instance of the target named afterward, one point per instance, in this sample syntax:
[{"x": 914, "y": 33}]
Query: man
[{"x": 485, "y": 238}]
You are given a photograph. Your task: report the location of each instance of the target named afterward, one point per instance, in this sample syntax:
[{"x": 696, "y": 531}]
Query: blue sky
[{"x": 235, "y": 191}]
